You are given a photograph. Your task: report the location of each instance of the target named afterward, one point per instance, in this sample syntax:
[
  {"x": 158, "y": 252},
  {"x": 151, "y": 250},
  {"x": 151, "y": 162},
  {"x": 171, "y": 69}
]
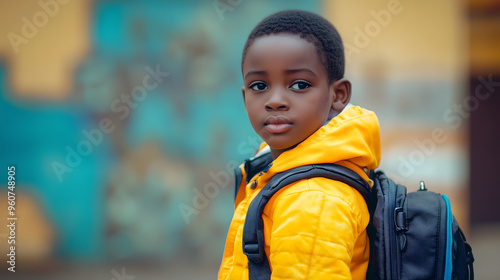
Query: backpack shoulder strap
[{"x": 253, "y": 230}]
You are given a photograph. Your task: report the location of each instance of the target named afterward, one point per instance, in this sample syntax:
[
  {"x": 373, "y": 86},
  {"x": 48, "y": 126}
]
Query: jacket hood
[{"x": 352, "y": 139}]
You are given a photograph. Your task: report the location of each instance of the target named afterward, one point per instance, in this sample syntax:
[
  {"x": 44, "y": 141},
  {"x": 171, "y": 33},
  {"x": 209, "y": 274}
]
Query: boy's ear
[
  {"x": 341, "y": 94},
  {"x": 243, "y": 92}
]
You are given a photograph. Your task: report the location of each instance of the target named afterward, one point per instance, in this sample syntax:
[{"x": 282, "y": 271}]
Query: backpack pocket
[{"x": 424, "y": 254}]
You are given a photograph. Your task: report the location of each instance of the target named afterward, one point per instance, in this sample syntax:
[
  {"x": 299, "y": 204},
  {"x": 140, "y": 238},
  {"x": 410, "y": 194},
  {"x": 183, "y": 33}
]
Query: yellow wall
[
  {"x": 43, "y": 64},
  {"x": 418, "y": 56},
  {"x": 422, "y": 38}
]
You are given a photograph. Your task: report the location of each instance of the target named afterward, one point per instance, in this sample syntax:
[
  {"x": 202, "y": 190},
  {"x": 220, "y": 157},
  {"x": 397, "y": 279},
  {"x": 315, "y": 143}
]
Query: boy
[{"x": 298, "y": 102}]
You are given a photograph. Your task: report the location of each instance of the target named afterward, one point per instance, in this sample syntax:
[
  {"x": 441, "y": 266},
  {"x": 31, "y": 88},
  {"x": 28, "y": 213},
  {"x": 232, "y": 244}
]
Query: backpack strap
[
  {"x": 256, "y": 164},
  {"x": 251, "y": 167},
  {"x": 253, "y": 230}
]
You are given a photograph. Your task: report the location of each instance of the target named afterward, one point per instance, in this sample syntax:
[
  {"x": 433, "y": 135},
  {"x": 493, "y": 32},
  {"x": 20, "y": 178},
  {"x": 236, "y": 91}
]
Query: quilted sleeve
[{"x": 314, "y": 232}]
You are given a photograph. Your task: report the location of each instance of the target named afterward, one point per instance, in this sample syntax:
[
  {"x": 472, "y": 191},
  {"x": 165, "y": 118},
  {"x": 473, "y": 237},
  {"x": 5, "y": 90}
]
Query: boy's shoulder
[
  {"x": 318, "y": 192},
  {"x": 320, "y": 187}
]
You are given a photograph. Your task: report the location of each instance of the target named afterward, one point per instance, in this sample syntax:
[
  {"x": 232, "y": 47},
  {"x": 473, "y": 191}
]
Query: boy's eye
[
  {"x": 300, "y": 85},
  {"x": 258, "y": 86}
]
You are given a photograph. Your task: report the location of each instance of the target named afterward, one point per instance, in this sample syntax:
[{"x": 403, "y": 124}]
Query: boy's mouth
[{"x": 277, "y": 124}]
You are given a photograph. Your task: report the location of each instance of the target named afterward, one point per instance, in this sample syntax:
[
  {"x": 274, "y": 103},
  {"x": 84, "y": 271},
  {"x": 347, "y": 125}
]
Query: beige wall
[
  {"x": 42, "y": 45},
  {"x": 421, "y": 38},
  {"x": 408, "y": 62}
]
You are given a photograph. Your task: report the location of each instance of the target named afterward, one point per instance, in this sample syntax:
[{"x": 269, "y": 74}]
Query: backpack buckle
[
  {"x": 401, "y": 227},
  {"x": 255, "y": 251},
  {"x": 400, "y": 219},
  {"x": 468, "y": 254}
]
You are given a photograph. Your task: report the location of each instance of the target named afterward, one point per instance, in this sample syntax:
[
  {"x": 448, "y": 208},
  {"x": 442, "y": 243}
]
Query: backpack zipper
[{"x": 394, "y": 232}]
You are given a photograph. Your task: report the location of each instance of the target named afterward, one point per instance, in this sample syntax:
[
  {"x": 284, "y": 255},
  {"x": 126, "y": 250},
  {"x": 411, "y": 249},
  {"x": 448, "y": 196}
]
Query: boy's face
[{"x": 286, "y": 92}]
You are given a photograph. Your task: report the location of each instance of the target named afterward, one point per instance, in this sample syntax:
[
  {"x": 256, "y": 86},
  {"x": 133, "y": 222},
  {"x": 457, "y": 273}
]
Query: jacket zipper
[{"x": 392, "y": 231}]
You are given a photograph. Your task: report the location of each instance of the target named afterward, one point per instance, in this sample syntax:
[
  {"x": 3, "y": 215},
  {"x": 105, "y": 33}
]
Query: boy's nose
[{"x": 277, "y": 101}]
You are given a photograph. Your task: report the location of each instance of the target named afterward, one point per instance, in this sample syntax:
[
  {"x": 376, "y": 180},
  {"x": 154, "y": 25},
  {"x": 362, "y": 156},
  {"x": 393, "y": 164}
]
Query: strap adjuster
[
  {"x": 400, "y": 219},
  {"x": 255, "y": 251}
]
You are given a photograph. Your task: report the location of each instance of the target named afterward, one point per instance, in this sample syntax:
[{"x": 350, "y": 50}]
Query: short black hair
[{"x": 310, "y": 27}]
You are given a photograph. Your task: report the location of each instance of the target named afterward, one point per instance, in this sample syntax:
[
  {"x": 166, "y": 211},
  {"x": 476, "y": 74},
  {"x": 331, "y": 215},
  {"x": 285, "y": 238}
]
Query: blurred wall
[
  {"x": 124, "y": 120},
  {"x": 484, "y": 45},
  {"x": 40, "y": 60},
  {"x": 407, "y": 61}
]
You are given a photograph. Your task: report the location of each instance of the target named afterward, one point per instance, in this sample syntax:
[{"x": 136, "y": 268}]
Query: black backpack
[{"x": 412, "y": 235}]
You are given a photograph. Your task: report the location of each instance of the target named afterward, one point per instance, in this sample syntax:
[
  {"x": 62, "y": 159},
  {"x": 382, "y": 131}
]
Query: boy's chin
[{"x": 281, "y": 146}]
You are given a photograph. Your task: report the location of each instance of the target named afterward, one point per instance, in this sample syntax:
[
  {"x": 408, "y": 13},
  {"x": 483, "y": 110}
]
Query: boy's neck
[{"x": 276, "y": 153}]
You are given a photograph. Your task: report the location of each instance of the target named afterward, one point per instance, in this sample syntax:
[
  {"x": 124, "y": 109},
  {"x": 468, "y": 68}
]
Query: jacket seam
[
  {"x": 305, "y": 236},
  {"x": 357, "y": 213},
  {"x": 315, "y": 235}
]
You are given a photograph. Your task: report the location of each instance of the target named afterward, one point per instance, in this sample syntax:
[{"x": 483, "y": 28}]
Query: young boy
[{"x": 298, "y": 102}]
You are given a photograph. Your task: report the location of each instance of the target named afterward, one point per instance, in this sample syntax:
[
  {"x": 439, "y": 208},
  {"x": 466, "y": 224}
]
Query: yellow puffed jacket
[{"x": 313, "y": 228}]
